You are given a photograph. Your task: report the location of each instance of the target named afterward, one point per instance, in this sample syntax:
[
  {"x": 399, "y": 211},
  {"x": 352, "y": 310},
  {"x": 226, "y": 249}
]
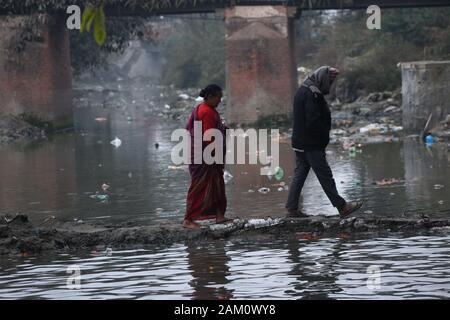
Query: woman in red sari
[{"x": 206, "y": 196}]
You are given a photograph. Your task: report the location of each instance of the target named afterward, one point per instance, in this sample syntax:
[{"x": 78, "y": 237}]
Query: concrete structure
[
  {"x": 425, "y": 91},
  {"x": 38, "y": 80},
  {"x": 260, "y": 62}
]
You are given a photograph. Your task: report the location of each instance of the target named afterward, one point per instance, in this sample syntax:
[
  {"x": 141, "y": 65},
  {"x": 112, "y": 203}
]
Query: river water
[
  {"x": 60, "y": 177},
  {"x": 381, "y": 268}
]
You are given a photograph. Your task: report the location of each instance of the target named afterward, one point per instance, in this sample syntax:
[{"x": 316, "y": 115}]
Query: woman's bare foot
[{"x": 188, "y": 224}]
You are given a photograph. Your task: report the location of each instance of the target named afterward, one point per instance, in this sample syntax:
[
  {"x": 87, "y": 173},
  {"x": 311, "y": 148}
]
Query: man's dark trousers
[{"x": 316, "y": 160}]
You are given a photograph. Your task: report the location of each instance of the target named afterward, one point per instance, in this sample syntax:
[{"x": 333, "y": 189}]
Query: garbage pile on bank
[{"x": 371, "y": 119}]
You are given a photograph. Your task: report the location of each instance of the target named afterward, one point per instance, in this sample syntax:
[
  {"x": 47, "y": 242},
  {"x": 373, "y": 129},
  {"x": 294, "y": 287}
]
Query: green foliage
[
  {"x": 194, "y": 57},
  {"x": 368, "y": 58},
  {"x": 87, "y": 18},
  {"x": 96, "y": 16}
]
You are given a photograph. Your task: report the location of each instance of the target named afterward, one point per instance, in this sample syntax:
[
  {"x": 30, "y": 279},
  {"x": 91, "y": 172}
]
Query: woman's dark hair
[{"x": 210, "y": 90}]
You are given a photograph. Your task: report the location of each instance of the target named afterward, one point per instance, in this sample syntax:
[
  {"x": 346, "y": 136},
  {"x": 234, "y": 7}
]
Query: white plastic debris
[
  {"x": 227, "y": 176},
  {"x": 116, "y": 142},
  {"x": 260, "y": 223},
  {"x": 251, "y": 191},
  {"x": 438, "y": 186},
  {"x": 264, "y": 190},
  {"x": 184, "y": 96},
  {"x": 280, "y": 189},
  {"x": 373, "y": 127},
  {"x": 396, "y": 128},
  {"x": 338, "y": 132},
  {"x": 166, "y": 106}
]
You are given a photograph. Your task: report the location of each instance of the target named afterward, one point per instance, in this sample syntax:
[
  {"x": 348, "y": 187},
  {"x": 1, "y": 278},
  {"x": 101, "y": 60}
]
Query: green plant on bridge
[{"x": 94, "y": 16}]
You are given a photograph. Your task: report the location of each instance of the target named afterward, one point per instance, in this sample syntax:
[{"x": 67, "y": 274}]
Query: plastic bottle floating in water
[
  {"x": 429, "y": 139},
  {"x": 279, "y": 173}
]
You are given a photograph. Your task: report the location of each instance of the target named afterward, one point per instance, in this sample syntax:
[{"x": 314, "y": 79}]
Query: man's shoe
[
  {"x": 291, "y": 213},
  {"x": 349, "y": 208}
]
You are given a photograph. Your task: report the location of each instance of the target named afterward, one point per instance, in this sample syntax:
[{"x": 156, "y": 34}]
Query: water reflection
[
  {"x": 286, "y": 268},
  {"x": 208, "y": 264},
  {"x": 313, "y": 267}
]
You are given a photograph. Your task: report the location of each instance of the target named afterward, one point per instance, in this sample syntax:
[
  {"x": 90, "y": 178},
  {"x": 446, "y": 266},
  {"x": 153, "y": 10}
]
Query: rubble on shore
[{"x": 14, "y": 129}]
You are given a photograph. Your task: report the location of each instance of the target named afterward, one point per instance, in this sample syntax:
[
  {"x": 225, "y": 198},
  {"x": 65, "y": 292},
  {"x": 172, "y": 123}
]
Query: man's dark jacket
[{"x": 312, "y": 121}]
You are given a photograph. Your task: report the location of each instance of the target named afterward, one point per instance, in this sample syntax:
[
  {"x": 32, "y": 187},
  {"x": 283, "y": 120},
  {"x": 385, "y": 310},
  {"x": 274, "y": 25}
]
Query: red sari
[{"x": 206, "y": 195}]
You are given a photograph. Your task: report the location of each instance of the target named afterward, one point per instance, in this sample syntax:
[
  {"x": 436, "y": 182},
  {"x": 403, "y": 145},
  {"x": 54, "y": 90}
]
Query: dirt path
[{"x": 21, "y": 237}]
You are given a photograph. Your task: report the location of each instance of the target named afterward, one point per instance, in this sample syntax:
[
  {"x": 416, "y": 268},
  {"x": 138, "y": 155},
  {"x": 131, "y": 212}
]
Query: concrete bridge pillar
[
  {"x": 425, "y": 91},
  {"x": 38, "y": 80},
  {"x": 260, "y": 62}
]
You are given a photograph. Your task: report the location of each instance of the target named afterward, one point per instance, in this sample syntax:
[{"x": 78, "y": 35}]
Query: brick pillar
[
  {"x": 260, "y": 62},
  {"x": 38, "y": 80}
]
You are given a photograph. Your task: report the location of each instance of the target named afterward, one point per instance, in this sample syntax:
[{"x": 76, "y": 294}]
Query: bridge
[{"x": 259, "y": 51}]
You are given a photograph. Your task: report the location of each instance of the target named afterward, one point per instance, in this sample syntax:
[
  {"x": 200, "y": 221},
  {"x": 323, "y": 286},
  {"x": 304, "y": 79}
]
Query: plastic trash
[
  {"x": 116, "y": 142},
  {"x": 98, "y": 196},
  {"x": 166, "y": 106},
  {"x": 251, "y": 191},
  {"x": 441, "y": 201},
  {"x": 184, "y": 96},
  {"x": 387, "y": 182},
  {"x": 264, "y": 190},
  {"x": 227, "y": 176},
  {"x": 279, "y": 173},
  {"x": 108, "y": 252},
  {"x": 270, "y": 175},
  {"x": 438, "y": 186},
  {"x": 280, "y": 189},
  {"x": 261, "y": 223},
  {"x": 429, "y": 140}
]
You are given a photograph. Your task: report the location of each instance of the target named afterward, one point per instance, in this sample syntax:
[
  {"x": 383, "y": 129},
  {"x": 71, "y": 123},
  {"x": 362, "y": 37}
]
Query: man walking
[{"x": 310, "y": 137}]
